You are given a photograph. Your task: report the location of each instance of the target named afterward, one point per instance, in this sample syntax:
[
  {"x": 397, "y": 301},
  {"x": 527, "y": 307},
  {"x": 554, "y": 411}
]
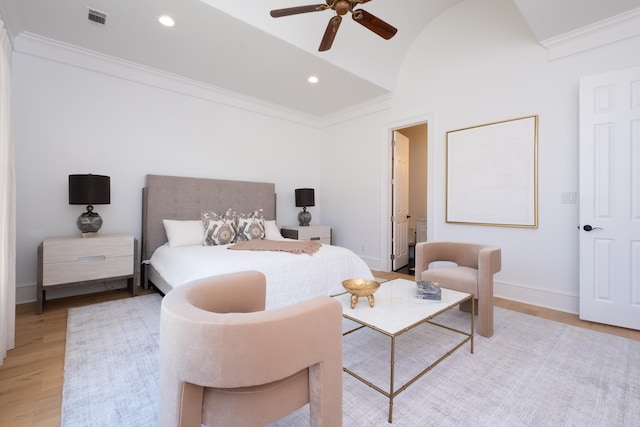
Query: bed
[{"x": 181, "y": 200}]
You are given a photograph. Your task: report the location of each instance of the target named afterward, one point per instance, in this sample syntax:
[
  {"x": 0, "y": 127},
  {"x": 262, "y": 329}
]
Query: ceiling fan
[{"x": 341, "y": 7}]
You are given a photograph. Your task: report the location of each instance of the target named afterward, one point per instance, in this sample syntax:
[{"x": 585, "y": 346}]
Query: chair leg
[
  {"x": 466, "y": 306},
  {"x": 485, "y": 318},
  {"x": 191, "y": 405},
  {"x": 325, "y": 393}
]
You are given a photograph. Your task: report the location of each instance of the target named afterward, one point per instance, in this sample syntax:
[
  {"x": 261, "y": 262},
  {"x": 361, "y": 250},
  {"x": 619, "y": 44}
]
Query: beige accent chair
[
  {"x": 473, "y": 273},
  {"x": 224, "y": 361}
]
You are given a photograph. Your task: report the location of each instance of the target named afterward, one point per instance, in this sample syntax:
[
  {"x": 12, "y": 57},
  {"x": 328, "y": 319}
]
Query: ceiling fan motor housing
[{"x": 342, "y": 7}]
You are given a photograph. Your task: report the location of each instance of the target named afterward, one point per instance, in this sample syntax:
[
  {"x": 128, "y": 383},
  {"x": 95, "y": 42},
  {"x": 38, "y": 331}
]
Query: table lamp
[
  {"x": 305, "y": 197},
  {"x": 89, "y": 190}
]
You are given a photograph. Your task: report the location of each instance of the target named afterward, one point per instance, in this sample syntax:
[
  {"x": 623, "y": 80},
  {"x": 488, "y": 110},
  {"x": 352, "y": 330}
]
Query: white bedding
[{"x": 290, "y": 277}]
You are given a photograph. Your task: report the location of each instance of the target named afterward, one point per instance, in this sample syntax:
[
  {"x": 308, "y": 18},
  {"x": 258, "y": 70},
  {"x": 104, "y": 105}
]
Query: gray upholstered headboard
[{"x": 172, "y": 197}]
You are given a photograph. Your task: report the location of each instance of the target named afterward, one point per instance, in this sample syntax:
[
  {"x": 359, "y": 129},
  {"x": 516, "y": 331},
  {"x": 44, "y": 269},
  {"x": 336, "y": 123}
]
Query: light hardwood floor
[{"x": 32, "y": 374}]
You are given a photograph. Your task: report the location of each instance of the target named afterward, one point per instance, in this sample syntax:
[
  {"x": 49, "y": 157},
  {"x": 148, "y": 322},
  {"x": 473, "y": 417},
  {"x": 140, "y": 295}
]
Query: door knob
[{"x": 589, "y": 228}]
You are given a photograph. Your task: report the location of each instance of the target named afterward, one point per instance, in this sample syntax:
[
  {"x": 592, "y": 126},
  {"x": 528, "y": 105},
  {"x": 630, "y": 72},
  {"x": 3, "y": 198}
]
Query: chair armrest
[
  {"x": 490, "y": 260},
  {"x": 489, "y": 263},
  {"x": 426, "y": 253}
]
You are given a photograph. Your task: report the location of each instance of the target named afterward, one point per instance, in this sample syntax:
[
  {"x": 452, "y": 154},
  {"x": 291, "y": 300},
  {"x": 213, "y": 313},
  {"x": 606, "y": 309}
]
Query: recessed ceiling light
[
  {"x": 166, "y": 20},
  {"x": 312, "y": 79}
]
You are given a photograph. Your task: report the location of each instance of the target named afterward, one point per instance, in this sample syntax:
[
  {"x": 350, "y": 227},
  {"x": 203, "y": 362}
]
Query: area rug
[{"x": 532, "y": 372}]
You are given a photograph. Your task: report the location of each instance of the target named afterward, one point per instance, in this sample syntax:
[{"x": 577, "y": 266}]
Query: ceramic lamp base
[
  {"x": 304, "y": 218},
  {"x": 89, "y": 222}
]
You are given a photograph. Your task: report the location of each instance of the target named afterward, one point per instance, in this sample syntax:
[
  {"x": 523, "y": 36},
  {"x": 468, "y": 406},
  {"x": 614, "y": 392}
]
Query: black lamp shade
[
  {"x": 89, "y": 190},
  {"x": 305, "y": 197}
]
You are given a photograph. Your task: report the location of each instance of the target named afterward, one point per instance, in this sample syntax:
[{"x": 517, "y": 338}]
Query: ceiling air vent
[{"x": 97, "y": 16}]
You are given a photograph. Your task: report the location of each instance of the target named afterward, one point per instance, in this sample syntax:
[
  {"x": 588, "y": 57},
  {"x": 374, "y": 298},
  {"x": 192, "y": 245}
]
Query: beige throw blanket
[{"x": 297, "y": 247}]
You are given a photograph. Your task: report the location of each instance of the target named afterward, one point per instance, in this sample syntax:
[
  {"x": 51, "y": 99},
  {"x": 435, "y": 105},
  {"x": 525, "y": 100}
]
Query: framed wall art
[{"x": 492, "y": 176}]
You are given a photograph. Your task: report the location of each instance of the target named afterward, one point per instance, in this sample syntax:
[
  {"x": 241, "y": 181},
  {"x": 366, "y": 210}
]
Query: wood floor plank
[{"x": 31, "y": 376}]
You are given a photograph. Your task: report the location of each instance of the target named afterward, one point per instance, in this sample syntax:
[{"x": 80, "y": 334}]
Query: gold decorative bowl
[{"x": 361, "y": 288}]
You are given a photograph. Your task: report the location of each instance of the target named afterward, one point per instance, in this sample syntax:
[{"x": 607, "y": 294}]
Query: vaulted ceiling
[{"x": 238, "y": 46}]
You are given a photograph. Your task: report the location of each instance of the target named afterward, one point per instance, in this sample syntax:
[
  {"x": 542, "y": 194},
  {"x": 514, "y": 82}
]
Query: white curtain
[{"x": 7, "y": 205}]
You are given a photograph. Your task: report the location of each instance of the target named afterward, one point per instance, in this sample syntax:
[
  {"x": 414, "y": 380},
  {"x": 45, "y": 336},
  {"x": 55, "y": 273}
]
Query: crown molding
[
  {"x": 9, "y": 16},
  {"x": 375, "y": 105},
  {"x": 55, "y": 51},
  {"x": 601, "y": 33}
]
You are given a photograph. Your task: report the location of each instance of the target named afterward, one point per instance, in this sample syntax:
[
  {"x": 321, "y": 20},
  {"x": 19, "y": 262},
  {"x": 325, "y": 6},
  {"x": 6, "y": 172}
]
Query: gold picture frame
[{"x": 492, "y": 174}]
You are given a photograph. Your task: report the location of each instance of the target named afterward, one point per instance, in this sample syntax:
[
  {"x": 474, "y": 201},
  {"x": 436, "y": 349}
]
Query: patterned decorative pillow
[
  {"x": 219, "y": 230},
  {"x": 250, "y": 226}
]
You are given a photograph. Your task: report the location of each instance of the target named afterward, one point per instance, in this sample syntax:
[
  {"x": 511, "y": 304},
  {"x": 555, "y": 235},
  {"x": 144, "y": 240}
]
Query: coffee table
[{"x": 396, "y": 311}]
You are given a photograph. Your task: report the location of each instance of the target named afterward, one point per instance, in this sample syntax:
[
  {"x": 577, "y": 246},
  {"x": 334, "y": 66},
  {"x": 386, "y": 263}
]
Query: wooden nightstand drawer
[
  {"x": 321, "y": 233},
  {"x": 77, "y": 261},
  {"x": 86, "y": 269},
  {"x": 65, "y": 249}
]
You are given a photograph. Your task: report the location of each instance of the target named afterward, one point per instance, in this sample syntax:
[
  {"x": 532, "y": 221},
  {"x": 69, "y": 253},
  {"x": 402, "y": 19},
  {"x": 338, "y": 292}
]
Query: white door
[
  {"x": 610, "y": 198},
  {"x": 400, "y": 189}
]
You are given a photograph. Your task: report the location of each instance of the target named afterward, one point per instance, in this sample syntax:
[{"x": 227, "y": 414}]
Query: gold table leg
[
  {"x": 392, "y": 393},
  {"x": 393, "y": 364}
]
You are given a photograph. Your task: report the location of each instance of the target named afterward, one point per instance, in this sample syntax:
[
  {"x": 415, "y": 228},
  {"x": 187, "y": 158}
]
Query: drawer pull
[
  {"x": 97, "y": 258},
  {"x": 314, "y": 238}
]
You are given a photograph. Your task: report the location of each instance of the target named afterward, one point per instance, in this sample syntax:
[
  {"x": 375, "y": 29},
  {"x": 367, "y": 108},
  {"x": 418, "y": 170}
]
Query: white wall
[
  {"x": 352, "y": 163},
  {"x": 70, "y": 119},
  {"x": 479, "y": 63}
]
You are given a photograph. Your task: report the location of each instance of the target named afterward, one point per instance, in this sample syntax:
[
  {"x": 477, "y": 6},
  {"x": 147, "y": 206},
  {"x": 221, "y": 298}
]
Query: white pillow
[
  {"x": 271, "y": 231},
  {"x": 184, "y": 233}
]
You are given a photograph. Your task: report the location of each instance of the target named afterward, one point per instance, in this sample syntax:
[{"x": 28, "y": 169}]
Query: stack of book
[{"x": 428, "y": 290}]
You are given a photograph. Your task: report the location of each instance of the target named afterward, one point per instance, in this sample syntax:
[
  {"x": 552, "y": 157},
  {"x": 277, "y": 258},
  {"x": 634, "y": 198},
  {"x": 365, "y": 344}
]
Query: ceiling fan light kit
[{"x": 341, "y": 7}]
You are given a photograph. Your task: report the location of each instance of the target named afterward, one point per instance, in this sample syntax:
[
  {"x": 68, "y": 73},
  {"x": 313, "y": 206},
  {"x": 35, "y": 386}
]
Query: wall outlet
[{"x": 569, "y": 197}]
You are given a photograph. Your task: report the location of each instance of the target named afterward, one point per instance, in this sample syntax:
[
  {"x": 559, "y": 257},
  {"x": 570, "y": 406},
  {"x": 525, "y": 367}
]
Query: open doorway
[{"x": 409, "y": 195}]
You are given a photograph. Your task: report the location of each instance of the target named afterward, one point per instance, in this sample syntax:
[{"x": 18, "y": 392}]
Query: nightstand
[
  {"x": 65, "y": 261},
  {"x": 321, "y": 233}
]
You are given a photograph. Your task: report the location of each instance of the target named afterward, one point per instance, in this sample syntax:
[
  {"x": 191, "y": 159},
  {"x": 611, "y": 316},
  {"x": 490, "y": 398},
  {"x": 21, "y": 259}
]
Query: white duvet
[{"x": 290, "y": 277}]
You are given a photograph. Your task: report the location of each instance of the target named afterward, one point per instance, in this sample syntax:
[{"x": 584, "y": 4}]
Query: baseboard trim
[
  {"x": 25, "y": 293},
  {"x": 541, "y": 297},
  {"x": 372, "y": 263}
]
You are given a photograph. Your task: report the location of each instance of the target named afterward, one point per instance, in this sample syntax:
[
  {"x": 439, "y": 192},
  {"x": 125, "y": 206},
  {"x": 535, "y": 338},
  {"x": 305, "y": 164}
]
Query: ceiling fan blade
[
  {"x": 330, "y": 33},
  {"x": 277, "y": 13},
  {"x": 373, "y": 23}
]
